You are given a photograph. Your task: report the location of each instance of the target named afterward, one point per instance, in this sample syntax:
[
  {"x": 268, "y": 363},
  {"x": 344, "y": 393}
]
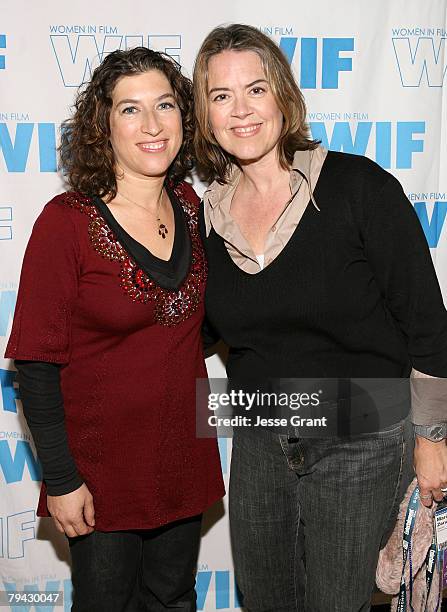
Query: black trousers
[{"x": 136, "y": 571}]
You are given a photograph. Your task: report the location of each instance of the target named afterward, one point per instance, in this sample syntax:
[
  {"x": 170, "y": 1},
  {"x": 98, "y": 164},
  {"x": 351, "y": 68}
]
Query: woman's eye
[
  {"x": 258, "y": 90},
  {"x": 166, "y": 105},
  {"x": 129, "y": 110},
  {"x": 220, "y": 97}
]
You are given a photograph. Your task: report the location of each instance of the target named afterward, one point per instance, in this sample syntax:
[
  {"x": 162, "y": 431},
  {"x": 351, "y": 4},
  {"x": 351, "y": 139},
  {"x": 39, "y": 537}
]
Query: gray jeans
[{"x": 308, "y": 516}]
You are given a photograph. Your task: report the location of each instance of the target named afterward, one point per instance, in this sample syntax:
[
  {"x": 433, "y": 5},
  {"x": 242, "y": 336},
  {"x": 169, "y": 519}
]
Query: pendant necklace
[{"x": 162, "y": 229}]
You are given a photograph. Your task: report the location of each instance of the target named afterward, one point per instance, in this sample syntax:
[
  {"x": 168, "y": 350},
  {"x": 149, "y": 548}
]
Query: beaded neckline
[{"x": 171, "y": 306}]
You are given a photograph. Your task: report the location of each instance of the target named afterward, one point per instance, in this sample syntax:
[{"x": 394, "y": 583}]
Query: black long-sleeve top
[{"x": 352, "y": 294}]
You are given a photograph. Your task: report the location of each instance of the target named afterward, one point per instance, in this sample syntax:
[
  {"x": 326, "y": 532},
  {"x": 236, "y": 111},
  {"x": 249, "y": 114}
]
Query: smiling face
[
  {"x": 145, "y": 125},
  {"x": 243, "y": 113}
]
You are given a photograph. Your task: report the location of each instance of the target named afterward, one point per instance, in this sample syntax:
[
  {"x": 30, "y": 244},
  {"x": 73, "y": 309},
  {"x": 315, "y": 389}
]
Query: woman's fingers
[
  {"x": 89, "y": 512},
  {"x": 73, "y": 512},
  {"x": 59, "y": 525},
  {"x": 430, "y": 463}
]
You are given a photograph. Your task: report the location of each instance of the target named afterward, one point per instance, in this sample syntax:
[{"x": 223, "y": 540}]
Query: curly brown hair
[
  {"x": 214, "y": 162},
  {"x": 85, "y": 153}
]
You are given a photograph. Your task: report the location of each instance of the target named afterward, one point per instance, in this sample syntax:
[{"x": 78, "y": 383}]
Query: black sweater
[{"x": 353, "y": 293}]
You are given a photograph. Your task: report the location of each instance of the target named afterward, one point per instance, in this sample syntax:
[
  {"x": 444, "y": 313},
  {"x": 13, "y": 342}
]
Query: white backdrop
[{"x": 374, "y": 76}]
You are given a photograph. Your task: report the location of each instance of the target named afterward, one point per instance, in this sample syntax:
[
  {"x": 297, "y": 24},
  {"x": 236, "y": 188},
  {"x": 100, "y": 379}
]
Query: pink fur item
[{"x": 389, "y": 567}]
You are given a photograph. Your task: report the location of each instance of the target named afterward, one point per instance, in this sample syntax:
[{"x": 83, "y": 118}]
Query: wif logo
[
  {"x": 355, "y": 137},
  {"x": 7, "y": 305},
  {"x": 224, "y": 454},
  {"x": 223, "y": 584},
  {"x": 13, "y": 462},
  {"x": 21, "y": 532},
  {"x": 78, "y": 55},
  {"x": 2, "y": 46},
  {"x": 15, "y": 530},
  {"x": 332, "y": 62},
  {"x": 17, "y": 141},
  {"x": 431, "y": 208},
  {"x": 9, "y": 390},
  {"x": 421, "y": 60}
]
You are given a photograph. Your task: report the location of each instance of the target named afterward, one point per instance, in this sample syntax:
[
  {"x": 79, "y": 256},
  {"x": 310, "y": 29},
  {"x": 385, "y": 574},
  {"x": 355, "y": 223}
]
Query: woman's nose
[
  {"x": 151, "y": 125},
  {"x": 241, "y": 108}
]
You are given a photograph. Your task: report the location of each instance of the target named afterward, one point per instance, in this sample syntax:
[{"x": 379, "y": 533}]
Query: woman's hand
[
  {"x": 430, "y": 465},
  {"x": 73, "y": 513}
]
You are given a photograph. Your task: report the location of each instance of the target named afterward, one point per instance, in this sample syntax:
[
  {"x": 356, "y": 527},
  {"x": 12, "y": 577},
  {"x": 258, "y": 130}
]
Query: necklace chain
[{"x": 162, "y": 229}]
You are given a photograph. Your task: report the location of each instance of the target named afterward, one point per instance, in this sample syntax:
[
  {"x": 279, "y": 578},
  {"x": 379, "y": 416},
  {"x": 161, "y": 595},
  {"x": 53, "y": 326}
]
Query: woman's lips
[
  {"x": 245, "y": 131},
  {"x": 153, "y": 147}
]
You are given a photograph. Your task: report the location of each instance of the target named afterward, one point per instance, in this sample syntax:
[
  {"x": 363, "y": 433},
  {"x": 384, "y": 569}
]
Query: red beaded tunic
[{"x": 131, "y": 352}]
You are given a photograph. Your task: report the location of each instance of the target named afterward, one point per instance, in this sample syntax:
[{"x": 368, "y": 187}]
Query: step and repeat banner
[{"x": 374, "y": 77}]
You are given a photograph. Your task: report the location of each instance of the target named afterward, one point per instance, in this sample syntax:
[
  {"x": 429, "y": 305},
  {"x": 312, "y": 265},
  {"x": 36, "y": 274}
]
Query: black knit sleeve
[
  {"x": 397, "y": 250},
  {"x": 40, "y": 392},
  {"x": 209, "y": 335}
]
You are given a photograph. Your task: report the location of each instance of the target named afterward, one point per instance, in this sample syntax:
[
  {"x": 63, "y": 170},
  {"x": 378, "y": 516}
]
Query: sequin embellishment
[{"x": 171, "y": 307}]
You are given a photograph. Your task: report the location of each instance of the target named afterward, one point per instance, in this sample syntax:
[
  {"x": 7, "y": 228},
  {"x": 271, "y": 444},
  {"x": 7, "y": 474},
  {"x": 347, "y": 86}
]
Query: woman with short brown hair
[{"x": 318, "y": 270}]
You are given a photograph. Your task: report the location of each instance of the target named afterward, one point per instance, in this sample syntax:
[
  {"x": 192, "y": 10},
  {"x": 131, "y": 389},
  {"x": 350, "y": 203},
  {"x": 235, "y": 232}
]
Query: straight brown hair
[{"x": 213, "y": 162}]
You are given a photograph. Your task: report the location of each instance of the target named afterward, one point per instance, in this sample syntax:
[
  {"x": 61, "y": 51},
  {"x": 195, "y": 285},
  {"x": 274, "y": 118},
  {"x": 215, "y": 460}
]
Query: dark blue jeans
[
  {"x": 308, "y": 516},
  {"x": 136, "y": 571}
]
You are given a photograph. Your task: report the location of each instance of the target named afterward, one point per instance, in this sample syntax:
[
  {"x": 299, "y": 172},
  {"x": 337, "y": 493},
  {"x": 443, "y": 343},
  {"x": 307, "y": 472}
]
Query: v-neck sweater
[
  {"x": 352, "y": 294},
  {"x": 170, "y": 273},
  {"x": 129, "y": 353},
  {"x": 40, "y": 385}
]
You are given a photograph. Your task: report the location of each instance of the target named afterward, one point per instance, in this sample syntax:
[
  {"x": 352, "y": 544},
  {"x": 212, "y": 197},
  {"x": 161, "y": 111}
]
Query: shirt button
[{"x": 274, "y": 228}]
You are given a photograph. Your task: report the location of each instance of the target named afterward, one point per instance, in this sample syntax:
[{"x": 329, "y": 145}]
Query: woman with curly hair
[{"x": 107, "y": 341}]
